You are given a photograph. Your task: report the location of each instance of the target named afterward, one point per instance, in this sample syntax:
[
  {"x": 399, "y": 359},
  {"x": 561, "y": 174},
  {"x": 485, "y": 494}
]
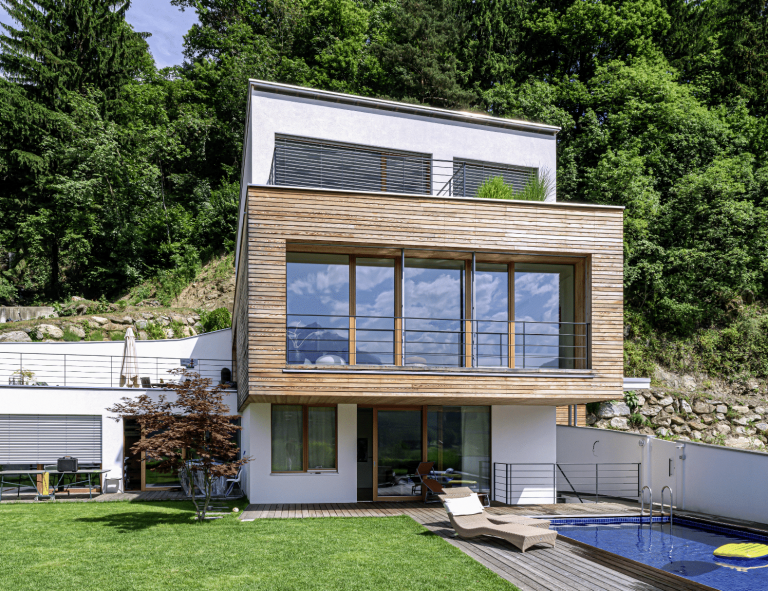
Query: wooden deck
[
  {"x": 79, "y": 497},
  {"x": 570, "y": 566}
]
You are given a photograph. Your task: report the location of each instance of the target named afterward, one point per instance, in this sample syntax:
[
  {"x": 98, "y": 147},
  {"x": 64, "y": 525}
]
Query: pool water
[{"x": 680, "y": 549}]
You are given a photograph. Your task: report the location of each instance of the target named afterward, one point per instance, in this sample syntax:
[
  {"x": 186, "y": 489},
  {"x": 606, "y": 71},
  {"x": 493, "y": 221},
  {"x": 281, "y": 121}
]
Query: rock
[
  {"x": 696, "y": 435},
  {"x": 168, "y": 333},
  {"x": 613, "y": 409},
  {"x": 77, "y": 299},
  {"x": 697, "y": 426},
  {"x": 662, "y": 422},
  {"x": 666, "y": 401},
  {"x": 601, "y": 425},
  {"x": 720, "y": 416},
  {"x": 722, "y": 428},
  {"x": 15, "y": 336},
  {"x": 620, "y": 423},
  {"x": 192, "y": 331},
  {"x": 640, "y": 400},
  {"x": 81, "y": 309},
  {"x": 49, "y": 330},
  {"x": 701, "y": 408},
  {"x": 753, "y": 418},
  {"x": 670, "y": 410},
  {"x": 147, "y": 315},
  {"x": 110, "y": 327},
  {"x": 677, "y": 419},
  {"x": 185, "y": 331},
  {"x": 740, "y": 421},
  {"x": 99, "y": 320},
  {"x": 689, "y": 383},
  {"x": 686, "y": 407},
  {"x": 198, "y": 326},
  {"x": 76, "y": 330},
  {"x": 195, "y": 317},
  {"x": 143, "y": 336},
  {"x": 662, "y": 432},
  {"x": 591, "y": 419},
  {"x": 141, "y": 324},
  {"x": 650, "y": 411},
  {"x": 179, "y": 319},
  {"x": 751, "y": 431},
  {"x": 762, "y": 427},
  {"x": 742, "y": 410},
  {"x": 721, "y": 409},
  {"x": 124, "y": 320},
  {"x": 707, "y": 419},
  {"x": 740, "y": 443},
  {"x": 759, "y": 410},
  {"x": 163, "y": 321},
  {"x": 190, "y": 321}
]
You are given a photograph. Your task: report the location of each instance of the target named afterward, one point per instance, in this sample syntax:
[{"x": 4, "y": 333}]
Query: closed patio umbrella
[{"x": 129, "y": 372}]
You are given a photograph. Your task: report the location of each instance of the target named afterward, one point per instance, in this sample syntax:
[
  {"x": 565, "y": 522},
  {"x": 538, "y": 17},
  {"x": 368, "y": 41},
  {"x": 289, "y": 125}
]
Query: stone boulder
[
  {"x": 620, "y": 423},
  {"x": 123, "y": 320},
  {"x": 666, "y": 401},
  {"x": 661, "y": 422},
  {"x": 696, "y": 435},
  {"x": 738, "y": 442},
  {"x": 702, "y": 408},
  {"x": 650, "y": 411},
  {"x": 739, "y": 430},
  {"x": 753, "y": 418},
  {"x": 759, "y": 410},
  {"x": 81, "y": 309},
  {"x": 141, "y": 324},
  {"x": 48, "y": 330},
  {"x": 742, "y": 410},
  {"x": 15, "y": 336},
  {"x": 723, "y": 428},
  {"x": 721, "y": 409},
  {"x": 677, "y": 419},
  {"x": 686, "y": 407},
  {"x": 761, "y": 427},
  {"x": 100, "y": 320},
  {"x": 707, "y": 419},
  {"x": 76, "y": 330},
  {"x": 662, "y": 432},
  {"x": 740, "y": 421},
  {"x": 591, "y": 419},
  {"x": 697, "y": 426},
  {"x": 609, "y": 410}
]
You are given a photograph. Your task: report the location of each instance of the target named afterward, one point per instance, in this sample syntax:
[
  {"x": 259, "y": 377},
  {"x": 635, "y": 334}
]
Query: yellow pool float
[{"x": 742, "y": 551}]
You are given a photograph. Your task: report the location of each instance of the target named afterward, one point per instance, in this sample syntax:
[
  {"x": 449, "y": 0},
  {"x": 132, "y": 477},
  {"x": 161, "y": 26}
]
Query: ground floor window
[
  {"x": 459, "y": 442},
  {"x": 303, "y": 438}
]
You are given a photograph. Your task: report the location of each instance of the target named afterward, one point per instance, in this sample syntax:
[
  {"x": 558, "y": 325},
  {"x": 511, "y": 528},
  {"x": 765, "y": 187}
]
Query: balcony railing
[
  {"x": 299, "y": 163},
  {"x": 100, "y": 371},
  {"x": 440, "y": 342}
]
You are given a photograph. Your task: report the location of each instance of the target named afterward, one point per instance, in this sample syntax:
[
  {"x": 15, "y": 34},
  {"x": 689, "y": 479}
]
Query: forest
[{"x": 115, "y": 172}]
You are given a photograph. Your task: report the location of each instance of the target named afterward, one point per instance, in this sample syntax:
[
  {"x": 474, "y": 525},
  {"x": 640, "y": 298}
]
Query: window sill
[{"x": 442, "y": 371}]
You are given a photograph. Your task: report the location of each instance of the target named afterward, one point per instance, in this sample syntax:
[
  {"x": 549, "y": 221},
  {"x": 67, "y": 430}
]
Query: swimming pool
[{"x": 684, "y": 549}]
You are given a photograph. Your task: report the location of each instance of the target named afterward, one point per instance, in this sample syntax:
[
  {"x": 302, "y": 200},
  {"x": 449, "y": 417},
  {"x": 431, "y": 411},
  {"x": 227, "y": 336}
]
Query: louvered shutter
[{"x": 42, "y": 439}]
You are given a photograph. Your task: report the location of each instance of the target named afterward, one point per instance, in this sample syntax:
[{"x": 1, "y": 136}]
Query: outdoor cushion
[{"x": 470, "y": 505}]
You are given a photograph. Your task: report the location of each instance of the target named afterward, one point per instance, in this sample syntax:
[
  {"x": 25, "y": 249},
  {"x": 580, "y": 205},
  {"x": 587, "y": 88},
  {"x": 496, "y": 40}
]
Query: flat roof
[{"x": 394, "y": 106}]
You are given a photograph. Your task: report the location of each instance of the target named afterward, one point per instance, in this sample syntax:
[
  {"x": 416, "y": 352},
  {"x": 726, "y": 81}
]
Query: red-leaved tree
[{"x": 191, "y": 432}]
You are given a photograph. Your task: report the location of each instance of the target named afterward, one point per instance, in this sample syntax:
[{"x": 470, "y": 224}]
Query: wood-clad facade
[{"x": 278, "y": 220}]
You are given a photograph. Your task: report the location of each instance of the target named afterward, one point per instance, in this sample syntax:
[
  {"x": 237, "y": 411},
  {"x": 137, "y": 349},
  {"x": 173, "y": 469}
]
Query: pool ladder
[
  {"x": 642, "y": 504},
  {"x": 670, "y": 503}
]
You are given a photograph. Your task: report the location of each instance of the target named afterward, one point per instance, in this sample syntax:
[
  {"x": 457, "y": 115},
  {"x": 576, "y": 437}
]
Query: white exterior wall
[
  {"x": 711, "y": 479},
  {"x": 310, "y": 487},
  {"x": 443, "y": 139},
  {"x": 525, "y": 435},
  {"x": 36, "y": 400}
]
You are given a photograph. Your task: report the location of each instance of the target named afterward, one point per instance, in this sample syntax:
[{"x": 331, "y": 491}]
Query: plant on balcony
[
  {"x": 193, "y": 424},
  {"x": 537, "y": 188}
]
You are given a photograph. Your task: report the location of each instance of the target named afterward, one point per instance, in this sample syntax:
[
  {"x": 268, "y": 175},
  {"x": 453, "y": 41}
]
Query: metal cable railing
[
  {"x": 316, "y": 339},
  {"x": 324, "y": 165},
  {"x": 560, "y": 482},
  {"x": 77, "y": 370}
]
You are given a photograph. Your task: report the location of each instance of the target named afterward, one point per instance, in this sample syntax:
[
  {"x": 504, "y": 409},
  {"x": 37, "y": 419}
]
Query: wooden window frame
[{"x": 305, "y": 439}]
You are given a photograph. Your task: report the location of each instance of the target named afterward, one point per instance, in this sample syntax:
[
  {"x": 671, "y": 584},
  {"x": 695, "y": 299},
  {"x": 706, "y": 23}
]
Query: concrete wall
[
  {"x": 525, "y": 435},
  {"x": 324, "y": 487},
  {"x": 16, "y": 313},
  {"x": 707, "y": 478},
  {"x": 97, "y": 364},
  {"x": 444, "y": 140},
  {"x": 29, "y": 400}
]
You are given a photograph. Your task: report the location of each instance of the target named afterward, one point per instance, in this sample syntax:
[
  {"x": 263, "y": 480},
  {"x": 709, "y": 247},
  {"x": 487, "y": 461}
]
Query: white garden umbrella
[{"x": 129, "y": 372}]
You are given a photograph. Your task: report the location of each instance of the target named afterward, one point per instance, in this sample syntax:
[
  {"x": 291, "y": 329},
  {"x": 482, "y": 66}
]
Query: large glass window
[
  {"x": 303, "y": 438},
  {"x": 459, "y": 439},
  {"x": 434, "y": 309},
  {"x": 544, "y": 316},
  {"x": 492, "y": 313},
  {"x": 399, "y": 445},
  {"x": 375, "y": 304},
  {"x": 317, "y": 294}
]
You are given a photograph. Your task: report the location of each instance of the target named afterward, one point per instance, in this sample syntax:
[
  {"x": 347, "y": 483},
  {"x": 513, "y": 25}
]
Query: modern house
[{"x": 385, "y": 315}]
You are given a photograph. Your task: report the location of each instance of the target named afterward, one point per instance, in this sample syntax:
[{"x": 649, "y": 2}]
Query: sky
[{"x": 167, "y": 24}]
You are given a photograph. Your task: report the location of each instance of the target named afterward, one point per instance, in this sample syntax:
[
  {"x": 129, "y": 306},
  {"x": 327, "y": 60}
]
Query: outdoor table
[{"x": 32, "y": 474}]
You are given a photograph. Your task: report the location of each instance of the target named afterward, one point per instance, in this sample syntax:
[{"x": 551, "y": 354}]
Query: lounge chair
[
  {"x": 465, "y": 491},
  {"x": 469, "y": 521}
]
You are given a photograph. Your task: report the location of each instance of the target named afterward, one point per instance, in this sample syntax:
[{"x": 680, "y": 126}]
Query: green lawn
[{"x": 137, "y": 546}]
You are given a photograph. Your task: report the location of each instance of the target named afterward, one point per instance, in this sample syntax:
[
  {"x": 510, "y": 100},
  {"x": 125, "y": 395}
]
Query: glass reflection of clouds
[
  {"x": 492, "y": 311},
  {"x": 544, "y": 298},
  {"x": 375, "y": 303},
  {"x": 434, "y": 295},
  {"x": 317, "y": 297}
]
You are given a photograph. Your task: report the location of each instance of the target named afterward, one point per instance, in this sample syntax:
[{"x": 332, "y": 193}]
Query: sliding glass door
[{"x": 399, "y": 452}]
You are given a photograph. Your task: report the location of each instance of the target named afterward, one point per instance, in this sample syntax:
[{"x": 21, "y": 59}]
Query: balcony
[
  {"x": 335, "y": 340},
  {"x": 299, "y": 162}
]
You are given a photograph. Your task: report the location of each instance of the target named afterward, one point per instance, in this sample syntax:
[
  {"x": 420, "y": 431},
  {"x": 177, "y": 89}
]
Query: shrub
[
  {"x": 217, "y": 319},
  {"x": 637, "y": 420},
  {"x": 536, "y": 189},
  {"x": 154, "y": 331},
  {"x": 495, "y": 188},
  {"x": 117, "y": 336},
  {"x": 178, "y": 329},
  {"x": 96, "y": 335},
  {"x": 70, "y": 336},
  {"x": 631, "y": 400}
]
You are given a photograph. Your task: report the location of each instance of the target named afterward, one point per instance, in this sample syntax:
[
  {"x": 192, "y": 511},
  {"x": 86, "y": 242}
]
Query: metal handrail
[
  {"x": 642, "y": 504},
  {"x": 670, "y": 503}
]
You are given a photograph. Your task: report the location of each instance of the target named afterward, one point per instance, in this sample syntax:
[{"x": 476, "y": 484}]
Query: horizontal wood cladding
[{"x": 283, "y": 219}]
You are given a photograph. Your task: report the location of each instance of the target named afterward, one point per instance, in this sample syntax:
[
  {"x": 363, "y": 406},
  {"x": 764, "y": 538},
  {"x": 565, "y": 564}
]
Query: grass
[{"x": 148, "y": 546}]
